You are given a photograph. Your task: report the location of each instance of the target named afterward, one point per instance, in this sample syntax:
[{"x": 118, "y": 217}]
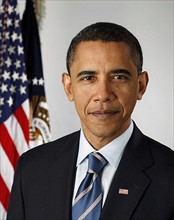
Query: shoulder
[
  {"x": 36, "y": 164},
  {"x": 160, "y": 151},
  {"x": 149, "y": 148},
  {"x": 48, "y": 150}
]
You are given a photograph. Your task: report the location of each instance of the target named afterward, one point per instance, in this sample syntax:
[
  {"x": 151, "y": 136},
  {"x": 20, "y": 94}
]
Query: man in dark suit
[{"x": 104, "y": 79}]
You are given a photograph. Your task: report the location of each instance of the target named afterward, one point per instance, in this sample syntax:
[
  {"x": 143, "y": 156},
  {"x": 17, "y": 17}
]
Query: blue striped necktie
[{"x": 88, "y": 201}]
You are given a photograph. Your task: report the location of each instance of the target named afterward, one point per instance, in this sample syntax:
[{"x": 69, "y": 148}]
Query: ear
[
  {"x": 143, "y": 80},
  {"x": 66, "y": 80}
]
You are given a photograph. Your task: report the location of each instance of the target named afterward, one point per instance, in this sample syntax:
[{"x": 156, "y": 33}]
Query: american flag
[
  {"x": 123, "y": 191},
  {"x": 14, "y": 102}
]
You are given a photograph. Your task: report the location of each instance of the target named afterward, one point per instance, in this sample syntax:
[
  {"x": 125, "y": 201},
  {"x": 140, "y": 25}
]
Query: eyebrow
[
  {"x": 86, "y": 72},
  {"x": 91, "y": 72},
  {"x": 125, "y": 71}
]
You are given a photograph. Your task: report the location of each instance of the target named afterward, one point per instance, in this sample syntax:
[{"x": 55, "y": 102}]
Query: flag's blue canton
[{"x": 13, "y": 78}]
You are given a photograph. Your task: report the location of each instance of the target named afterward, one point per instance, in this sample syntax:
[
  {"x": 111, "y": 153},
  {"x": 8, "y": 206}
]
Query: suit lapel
[
  {"x": 61, "y": 181},
  {"x": 130, "y": 181}
]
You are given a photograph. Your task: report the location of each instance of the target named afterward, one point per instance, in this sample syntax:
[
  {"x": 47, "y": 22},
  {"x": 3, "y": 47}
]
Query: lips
[{"x": 104, "y": 114}]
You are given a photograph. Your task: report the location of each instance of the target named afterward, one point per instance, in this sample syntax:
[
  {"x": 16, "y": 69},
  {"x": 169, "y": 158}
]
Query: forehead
[
  {"x": 98, "y": 52},
  {"x": 98, "y": 48},
  {"x": 101, "y": 57}
]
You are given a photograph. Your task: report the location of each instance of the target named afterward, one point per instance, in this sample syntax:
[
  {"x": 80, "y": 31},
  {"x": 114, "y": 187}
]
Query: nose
[{"x": 104, "y": 92}]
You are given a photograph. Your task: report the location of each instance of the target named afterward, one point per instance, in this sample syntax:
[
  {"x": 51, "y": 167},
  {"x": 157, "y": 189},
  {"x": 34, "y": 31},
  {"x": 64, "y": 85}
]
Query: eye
[
  {"x": 88, "y": 78},
  {"x": 120, "y": 77}
]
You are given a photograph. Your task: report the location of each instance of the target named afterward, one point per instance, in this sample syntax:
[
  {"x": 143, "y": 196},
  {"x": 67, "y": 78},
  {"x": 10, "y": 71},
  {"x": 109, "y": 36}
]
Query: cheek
[
  {"x": 81, "y": 102},
  {"x": 127, "y": 97}
]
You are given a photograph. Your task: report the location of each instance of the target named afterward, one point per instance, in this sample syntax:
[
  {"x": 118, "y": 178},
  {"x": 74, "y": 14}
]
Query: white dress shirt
[{"x": 112, "y": 152}]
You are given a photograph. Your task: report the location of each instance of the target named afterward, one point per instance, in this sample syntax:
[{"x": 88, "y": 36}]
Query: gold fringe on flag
[{"x": 40, "y": 11}]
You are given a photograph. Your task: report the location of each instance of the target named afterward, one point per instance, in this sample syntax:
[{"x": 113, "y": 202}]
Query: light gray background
[{"x": 150, "y": 21}]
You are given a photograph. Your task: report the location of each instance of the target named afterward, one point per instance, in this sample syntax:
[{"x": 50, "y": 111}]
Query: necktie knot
[{"x": 96, "y": 162}]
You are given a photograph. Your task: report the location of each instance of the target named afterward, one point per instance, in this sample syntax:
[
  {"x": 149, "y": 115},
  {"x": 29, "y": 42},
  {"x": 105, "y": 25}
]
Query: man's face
[{"x": 104, "y": 85}]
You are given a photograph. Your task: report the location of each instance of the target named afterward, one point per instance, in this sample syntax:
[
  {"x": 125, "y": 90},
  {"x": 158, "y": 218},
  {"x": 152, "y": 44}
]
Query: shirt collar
[{"x": 112, "y": 151}]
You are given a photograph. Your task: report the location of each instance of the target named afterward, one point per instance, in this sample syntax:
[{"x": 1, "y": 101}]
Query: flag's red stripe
[
  {"x": 23, "y": 121},
  {"x": 8, "y": 146},
  {"x": 4, "y": 194}
]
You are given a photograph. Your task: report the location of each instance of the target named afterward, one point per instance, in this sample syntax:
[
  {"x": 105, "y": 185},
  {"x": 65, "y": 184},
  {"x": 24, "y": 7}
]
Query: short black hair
[{"x": 106, "y": 32}]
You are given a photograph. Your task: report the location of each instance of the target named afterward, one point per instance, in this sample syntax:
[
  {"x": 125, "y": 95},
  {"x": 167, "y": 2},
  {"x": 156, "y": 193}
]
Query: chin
[{"x": 104, "y": 133}]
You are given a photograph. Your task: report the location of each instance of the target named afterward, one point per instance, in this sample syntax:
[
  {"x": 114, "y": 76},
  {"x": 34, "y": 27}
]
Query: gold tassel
[{"x": 40, "y": 11}]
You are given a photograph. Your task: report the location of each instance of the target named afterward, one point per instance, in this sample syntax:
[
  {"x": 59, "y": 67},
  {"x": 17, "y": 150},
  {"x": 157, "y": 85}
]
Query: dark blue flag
[{"x": 39, "y": 121}]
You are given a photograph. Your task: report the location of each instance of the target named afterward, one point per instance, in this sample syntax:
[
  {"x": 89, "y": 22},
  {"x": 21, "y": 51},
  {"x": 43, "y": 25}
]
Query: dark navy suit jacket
[{"x": 44, "y": 182}]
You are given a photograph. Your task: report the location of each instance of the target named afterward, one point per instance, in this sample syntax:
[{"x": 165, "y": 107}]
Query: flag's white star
[
  {"x": 14, "y": 36},
  {"x": 1, "y": 101},
  {"x": 1, "y": 9},
  {"x": 10, "y": 9},
  {"x": 10, "y": 101},
  {"x": 34, "y": 81},
  {"x": 9, "y": 22},
  {"x": 41, "y": 82},
  {"x": 24, "y": 77},
  {"x": 11, "y": 49},
  {"x": 20, "y": 38},
  {"x": 8, "y": 62},
  {"x": 7, "y": 35},
  {"x": 13, "y": 89},
  {"x": 6, "y": 75},
  {"x": 23, "y": 90},
  {"x": 3, "y": 88},
  {"x": 15, "y": 76},
  {"x": 16, "y": 23},
  {"x": 18, "y": 64},
  {"x": 20, "y": 50}
]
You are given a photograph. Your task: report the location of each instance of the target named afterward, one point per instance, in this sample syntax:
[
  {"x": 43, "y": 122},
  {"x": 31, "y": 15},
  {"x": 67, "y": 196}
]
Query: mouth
[{"x": 104, "y": 114}]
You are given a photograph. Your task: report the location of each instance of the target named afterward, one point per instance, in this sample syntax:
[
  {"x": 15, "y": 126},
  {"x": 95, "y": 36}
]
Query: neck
[{"x": 100, "y": 141}]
